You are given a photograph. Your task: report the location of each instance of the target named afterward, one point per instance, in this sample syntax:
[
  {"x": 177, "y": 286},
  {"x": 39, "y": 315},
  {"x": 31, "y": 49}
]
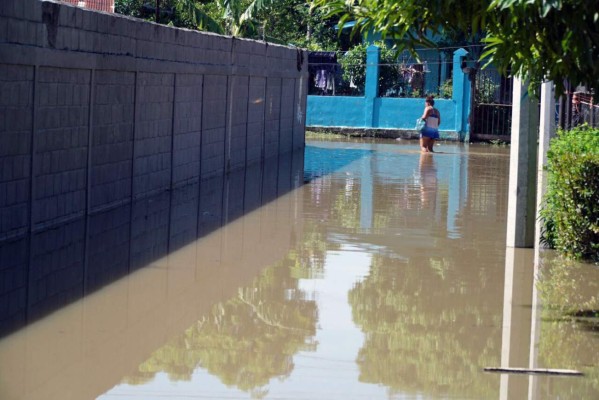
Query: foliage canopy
[
  {"x": 354, "y": 68},
  {"x": 534, "y": 39},
  {"x": 279, "y": 21}
]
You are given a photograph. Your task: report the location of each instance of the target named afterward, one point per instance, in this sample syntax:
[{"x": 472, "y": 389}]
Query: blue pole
[
  {"x": 371, "y": 90},
  {"x": 461, "y": 95}
]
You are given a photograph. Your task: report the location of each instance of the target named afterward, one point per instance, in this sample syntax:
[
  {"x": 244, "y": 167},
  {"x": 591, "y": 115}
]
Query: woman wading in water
[{"x": 432, "y": 120}]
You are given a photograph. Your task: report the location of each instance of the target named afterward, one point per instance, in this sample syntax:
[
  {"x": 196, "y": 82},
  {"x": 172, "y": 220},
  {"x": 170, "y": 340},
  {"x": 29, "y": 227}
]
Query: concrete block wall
[
  {"x": 187, "y": 128},
  {"x": 238, "y": 121},
  {"x": 286, "y": 115},
  {"x": 153, "y": 133},
  {"x": 214, "y": 123},
  {"x": 60, "y": 144},
  {"x": 97, "y": 109},
  {"x": 273, "y": 116},
  {"x": 16, "y": 122},
  {"x": 113, "y": 120},
  {"x": 103, "y": 116},
  {"x": 255, "y": 127}
]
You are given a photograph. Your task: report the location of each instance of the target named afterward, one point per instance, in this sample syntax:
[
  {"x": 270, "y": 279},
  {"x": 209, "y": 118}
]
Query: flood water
[{"x": 363, "y": 271}]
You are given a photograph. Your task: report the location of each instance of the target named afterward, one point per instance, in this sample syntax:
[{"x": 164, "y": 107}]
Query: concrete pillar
[
  {"x": 523, "y": 159},
  {"x": 546, "y": 133},
  {"x": 371, "y": 90},
  {"x": 461, "y": 95}
]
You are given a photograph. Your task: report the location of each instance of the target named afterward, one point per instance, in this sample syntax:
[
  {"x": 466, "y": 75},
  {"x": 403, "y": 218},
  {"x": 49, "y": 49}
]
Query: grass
[{"x": 324, "y": 135}]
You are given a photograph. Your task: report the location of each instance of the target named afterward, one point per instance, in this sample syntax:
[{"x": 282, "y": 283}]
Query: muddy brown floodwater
[{"x": 365, "y": 270}]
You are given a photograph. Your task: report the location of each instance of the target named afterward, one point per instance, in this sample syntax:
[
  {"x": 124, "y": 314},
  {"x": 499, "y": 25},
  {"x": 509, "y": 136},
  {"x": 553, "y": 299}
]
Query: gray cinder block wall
[{"x": 97, "y": 110}]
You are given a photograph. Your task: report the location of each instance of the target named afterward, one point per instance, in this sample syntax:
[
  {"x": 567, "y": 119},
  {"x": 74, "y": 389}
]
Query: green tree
[
  {"x": 280, "y": 21},
  {"x": 391, "y": 81},
  {"x": 132, "y": 8},
  {"x": 390, "y": 75},
  {"x": 537, "y": 39},
  {"x": 232, "y": 17},
  {"x": 293, "y": 22}
]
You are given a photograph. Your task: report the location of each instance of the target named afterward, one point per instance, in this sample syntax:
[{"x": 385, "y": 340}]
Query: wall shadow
[
  {"x": 322, "y": 161},
  {"x": 51, "y": 268}
]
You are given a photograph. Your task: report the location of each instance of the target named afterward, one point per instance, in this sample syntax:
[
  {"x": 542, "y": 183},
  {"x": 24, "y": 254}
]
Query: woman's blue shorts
[{"x": 429, "y": 133}]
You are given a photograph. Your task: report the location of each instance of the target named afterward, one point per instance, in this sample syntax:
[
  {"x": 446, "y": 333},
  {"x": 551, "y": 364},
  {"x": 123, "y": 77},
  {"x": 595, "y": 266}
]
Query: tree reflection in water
[
  {"x": 418, "y": 304},
  {"x": 245, "y": 341},
  {"x": 309, "y": 256},
  {"x": 431, "y": 313},
  {"x": 417, "y": 337},
  {"x": 569, "y": 293}
]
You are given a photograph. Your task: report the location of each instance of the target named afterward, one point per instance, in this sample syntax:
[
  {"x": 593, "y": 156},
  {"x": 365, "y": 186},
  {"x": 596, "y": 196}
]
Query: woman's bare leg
[
  {"x": 424, "y": 144},
  {"x": 431, "y": 144}
]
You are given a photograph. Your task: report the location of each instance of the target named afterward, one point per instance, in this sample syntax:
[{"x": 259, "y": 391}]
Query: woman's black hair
[{"x": 430, "y": 99}]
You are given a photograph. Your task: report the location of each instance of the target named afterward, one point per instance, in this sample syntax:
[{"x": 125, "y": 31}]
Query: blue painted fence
[{"x": 399, "y": 114}]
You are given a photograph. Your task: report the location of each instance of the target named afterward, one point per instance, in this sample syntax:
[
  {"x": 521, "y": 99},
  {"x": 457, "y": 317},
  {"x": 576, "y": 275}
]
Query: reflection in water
[
  {"x": 54, "y": 266},
  {"x": 85, "y": 348},
  {"x": 569, "y": 293},
  {"x": 245, "y": 341},
  {"x": 517, "y": 322},
  {"x": 384, "y": 276},
  {"x": 428, "y": 180},
  {"x": 422, "y": 301},
  {"x": 537, "y": 332},
  {"x": 415, "y": 340}
]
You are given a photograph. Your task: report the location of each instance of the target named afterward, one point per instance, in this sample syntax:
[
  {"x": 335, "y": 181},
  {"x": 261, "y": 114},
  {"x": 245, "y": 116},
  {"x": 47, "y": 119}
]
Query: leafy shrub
[
  {"x": 486, "y": 88},
  {"x": 571, "y": 211},
  {"x": 446, "y": 89},
  {"x": 353, "y": 64}
]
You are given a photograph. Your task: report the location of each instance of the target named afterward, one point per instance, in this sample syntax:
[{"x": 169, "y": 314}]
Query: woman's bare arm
[{"x": 427, "y": 112}]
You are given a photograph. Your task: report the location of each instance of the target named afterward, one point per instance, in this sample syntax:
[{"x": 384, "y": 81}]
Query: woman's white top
[{"x": 432, "y": 121}]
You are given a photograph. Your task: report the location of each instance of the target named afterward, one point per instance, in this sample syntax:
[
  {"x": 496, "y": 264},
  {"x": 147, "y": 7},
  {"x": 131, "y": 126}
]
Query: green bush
[
  {"x": 353, "y": 64},
  {"x": 571, "y": 211},
  {"x": 446, "y": 89},
  {"x": 486, "y": 88}
]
